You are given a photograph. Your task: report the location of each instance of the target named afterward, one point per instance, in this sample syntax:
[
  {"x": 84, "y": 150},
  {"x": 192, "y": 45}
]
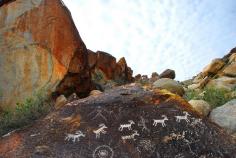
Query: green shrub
[
  {"x": 98, "y": 76},
  {"x": 191, "y": 94},
  {"x": 26, "y": 112},
  {"x": 214, "y": 96}
]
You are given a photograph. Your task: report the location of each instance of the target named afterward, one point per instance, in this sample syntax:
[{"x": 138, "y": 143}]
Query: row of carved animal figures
[
  {"x": 155, "y": 121},
  {"x": 76, "y": 137},
  {"x": 102, "y": 127}
]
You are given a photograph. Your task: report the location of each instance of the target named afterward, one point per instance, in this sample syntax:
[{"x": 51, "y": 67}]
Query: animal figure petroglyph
[
  {"x": 185, "y": 117},
  {"x": 75, "y": 137},
  {"x": 160, "y": 121},
  {"x": 124, "y": 138},
  {"x": 100, "y": 130},
  {"x": 99, "y": 113},
  {"x": 128, "y": 126},
  {"x": 142, "y": 123}
]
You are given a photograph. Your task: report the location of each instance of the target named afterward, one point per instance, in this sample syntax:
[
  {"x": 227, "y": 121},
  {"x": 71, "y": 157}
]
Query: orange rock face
[
  {"x": 8, "y": 147},
  {"x": 107, "y": 64},
  {"x": 40, "y": 48}
]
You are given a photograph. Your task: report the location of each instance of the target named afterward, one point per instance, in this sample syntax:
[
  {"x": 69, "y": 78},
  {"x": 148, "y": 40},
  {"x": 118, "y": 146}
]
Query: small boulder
[
  {"x": 168, "y": 73},
  {"x": 95, "y": 92},
  {"x": 60, "y": 101},
  {"x": 154, "y": 77},
  {"x": 72, "y": 97},
  {"x": 201, "y": 106},
  {"x": 170, "y": 85},
  {"x": 225, "y": 116},
  {"x": 138, "y": 77},
  {"x": 145, "y": 79}
]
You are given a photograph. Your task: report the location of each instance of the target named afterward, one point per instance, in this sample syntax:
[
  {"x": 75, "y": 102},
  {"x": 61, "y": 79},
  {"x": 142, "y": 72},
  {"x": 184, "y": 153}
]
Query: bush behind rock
[{"x": 31, "y": 109}]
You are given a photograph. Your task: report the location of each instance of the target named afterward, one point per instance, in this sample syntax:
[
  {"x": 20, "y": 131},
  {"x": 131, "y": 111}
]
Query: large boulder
[
  {"x": 223, "y": 82},
  {"x": 168, "y": 73},
  {"x": 39, "y": 47},
  {"x": 232, "y": 58},
  {"x": 126, "y": 122},
  {"x": 106, "y": 63},
  {"x": 213, "y": 67},
  {"x": 170, "y": 85},
  {"x": 230, "y": 70},
  {"x": 123, "y": 72},
  {"x": 201, "y": 106},
  {"x": 225, "y": 116},
  {"x": 104, "y": 68}
]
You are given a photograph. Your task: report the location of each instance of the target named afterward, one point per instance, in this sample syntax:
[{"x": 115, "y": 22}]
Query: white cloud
[{"x": 154, "y": 35}]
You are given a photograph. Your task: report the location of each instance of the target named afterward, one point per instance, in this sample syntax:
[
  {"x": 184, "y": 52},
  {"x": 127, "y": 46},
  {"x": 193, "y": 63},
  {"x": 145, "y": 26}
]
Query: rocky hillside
[
  {"x": 42, "y": 49},
  {"x": 220, "y": 73}
]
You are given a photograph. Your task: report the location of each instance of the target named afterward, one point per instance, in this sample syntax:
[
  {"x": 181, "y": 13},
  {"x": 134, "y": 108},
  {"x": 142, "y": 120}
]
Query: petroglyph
[
  {"x": 162, "y": 121},
  {"x": 185, "y": 117},
  {"x": 128, "y": 137},
  {"x": 128, "y": 126},
  {"x": 103, "y": 151},
  {"x": 99, "y": 113},
  {"x": 75, "y": 137},
  {"x": 142, "y": 123},
  {"x": 100, "y": 130}
]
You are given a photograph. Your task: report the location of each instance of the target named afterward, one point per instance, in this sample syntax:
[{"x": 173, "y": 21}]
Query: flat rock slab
[{"x": 126, "y": 122}]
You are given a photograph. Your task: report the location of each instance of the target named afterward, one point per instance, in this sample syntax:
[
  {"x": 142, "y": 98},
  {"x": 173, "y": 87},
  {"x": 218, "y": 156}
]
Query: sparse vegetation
[
  {"x": 25, "y": 113},
  {"x": 98, "y": 76},
  {"x": 192, "y": 94},
  {"x": 214, "y": 96}
]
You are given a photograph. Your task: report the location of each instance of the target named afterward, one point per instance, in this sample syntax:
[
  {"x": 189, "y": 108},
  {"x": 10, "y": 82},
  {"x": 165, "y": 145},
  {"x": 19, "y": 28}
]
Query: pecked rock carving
[{"x": 197, "y": 138}]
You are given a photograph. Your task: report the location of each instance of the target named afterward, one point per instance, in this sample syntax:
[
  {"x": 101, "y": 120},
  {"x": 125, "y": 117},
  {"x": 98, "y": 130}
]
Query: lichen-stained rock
[
  {"x": 170, "y": 85},
  {"x": 39, "y": 45},
  {"x": 125, "y": 122},
  {"x": 225, "y": 116}
]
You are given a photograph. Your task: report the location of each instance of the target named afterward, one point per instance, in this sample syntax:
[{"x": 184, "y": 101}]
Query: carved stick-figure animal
[
  {"x": 75, "y": 137},
  {"x": 128, "y": 126},
  {"x": 100, "y": 130},
  {"x": 142, "y": 123},
  {"x": 185, "y": 117},
  {"x": 162, "y": 121},
  {"x": 124, "y": 138}
]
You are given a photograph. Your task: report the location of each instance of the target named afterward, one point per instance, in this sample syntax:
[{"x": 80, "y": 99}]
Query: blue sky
[{"x": 153, "y": 35}]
